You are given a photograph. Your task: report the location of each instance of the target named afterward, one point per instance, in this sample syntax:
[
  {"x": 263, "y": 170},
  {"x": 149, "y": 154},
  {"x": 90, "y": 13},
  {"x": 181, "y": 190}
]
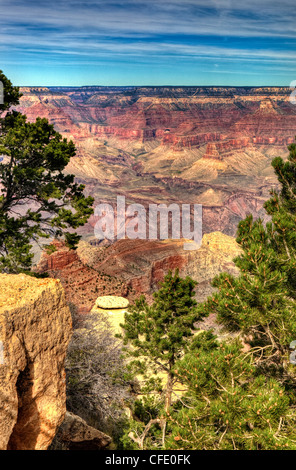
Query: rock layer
[
  {"x": 173, "y": 144},
  {"x": 81, "y": 277},
  {"x": 130, "y": 267},
  {"x": 35, "y": 329}
]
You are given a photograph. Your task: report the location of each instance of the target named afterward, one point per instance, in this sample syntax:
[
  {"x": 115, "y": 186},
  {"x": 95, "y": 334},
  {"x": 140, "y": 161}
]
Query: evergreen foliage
[
  {"x": 260, "y": 303},
  {"x": 240, "y": 393},
  {"x": 160, "y": 331},
  {"x": 228, "y": 406},
  {"x": 158, "y": 336},
  {"x": 37, "y": 199}
]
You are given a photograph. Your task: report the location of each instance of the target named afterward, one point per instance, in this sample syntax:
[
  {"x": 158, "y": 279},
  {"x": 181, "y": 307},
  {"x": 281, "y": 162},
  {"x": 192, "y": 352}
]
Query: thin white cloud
[
  {"x": 69, "y": 45},
  {"x": 99, "y": 31},
  {"x": 225, "y": 17}
]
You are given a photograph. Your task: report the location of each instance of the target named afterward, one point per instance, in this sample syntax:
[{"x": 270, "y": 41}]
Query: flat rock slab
[{"x": 110, "y": 302}]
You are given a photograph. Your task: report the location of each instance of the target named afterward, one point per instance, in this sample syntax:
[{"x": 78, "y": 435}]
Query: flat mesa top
[
  {"x": 19, "y": 289},
  {"x": 111, "y": 302}
]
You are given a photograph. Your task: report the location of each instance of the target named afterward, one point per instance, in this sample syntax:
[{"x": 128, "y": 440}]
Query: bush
[{"x": 98, "y": 385}]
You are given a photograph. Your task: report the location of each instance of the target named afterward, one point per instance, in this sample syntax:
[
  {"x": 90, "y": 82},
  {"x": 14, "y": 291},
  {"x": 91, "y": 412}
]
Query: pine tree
[
  {"x": 37, "y": 199},
  {"x": 228, "y": 406},
  {"x": 158, "y": 335},
  {"x": 238, "y": 400},
  {"x": 260, "y": 303}
]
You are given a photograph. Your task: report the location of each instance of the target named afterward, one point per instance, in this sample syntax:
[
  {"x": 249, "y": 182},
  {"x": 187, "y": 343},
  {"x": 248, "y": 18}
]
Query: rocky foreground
[{"x": 35, "y": 329}]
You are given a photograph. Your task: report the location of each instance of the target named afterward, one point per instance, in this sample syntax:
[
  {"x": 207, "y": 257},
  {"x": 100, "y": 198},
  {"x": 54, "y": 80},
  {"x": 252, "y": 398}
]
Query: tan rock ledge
[{"x": 35, "y": 329}]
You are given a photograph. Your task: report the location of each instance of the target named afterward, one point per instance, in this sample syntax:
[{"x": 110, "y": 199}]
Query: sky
[{"x": 149, "y": 42}]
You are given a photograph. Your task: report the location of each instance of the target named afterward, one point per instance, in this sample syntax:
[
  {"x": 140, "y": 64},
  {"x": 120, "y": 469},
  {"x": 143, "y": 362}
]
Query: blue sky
[{"x": 150, "y": 42}]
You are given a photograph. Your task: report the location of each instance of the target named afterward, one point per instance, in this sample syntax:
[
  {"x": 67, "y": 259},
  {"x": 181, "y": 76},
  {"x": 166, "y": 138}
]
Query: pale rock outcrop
[
  {"x": 115, "y": 316},
  {"x": 111, "y": 301},
  {"x": 35, "y": 329},
  {"x": 114, "y": 307}
]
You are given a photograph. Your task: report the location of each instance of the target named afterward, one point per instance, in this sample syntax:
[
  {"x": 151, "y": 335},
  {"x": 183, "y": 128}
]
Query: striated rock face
[
  {"x": 59, "y": 259},
  {"x": 35, "y": 329},
  {"x": 212, "y": 152},
  {"x": 128, "y": 267},
  {"x": 81, "y": 276},
  {"x": 173, "y": 144},
  {"x": 142, "y": 264},
  {"x": 76, "y": 434}
]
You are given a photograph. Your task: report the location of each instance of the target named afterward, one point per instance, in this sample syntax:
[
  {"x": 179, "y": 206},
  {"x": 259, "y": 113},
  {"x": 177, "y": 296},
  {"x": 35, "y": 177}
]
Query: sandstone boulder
[
  {"x": 110, "y": 301},
  {"x": 35, "y": 329}
]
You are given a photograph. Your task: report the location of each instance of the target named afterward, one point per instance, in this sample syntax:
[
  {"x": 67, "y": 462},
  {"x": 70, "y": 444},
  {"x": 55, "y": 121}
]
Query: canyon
[
  {"x": 185, "y": 145},
  {"x": 129, "y": 268},
  {"x": 163, "y": 145},
  {"x": 198, "y": 145}
]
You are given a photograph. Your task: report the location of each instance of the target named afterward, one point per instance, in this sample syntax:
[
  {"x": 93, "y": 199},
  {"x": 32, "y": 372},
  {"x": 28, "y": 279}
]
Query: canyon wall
[
  {"x": 206, "y": 145},
  {"x": 129, "y": 267}
]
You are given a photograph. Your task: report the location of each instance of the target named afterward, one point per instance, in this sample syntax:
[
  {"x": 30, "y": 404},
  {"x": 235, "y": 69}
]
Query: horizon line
[{"x": 153, "y": 86}]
